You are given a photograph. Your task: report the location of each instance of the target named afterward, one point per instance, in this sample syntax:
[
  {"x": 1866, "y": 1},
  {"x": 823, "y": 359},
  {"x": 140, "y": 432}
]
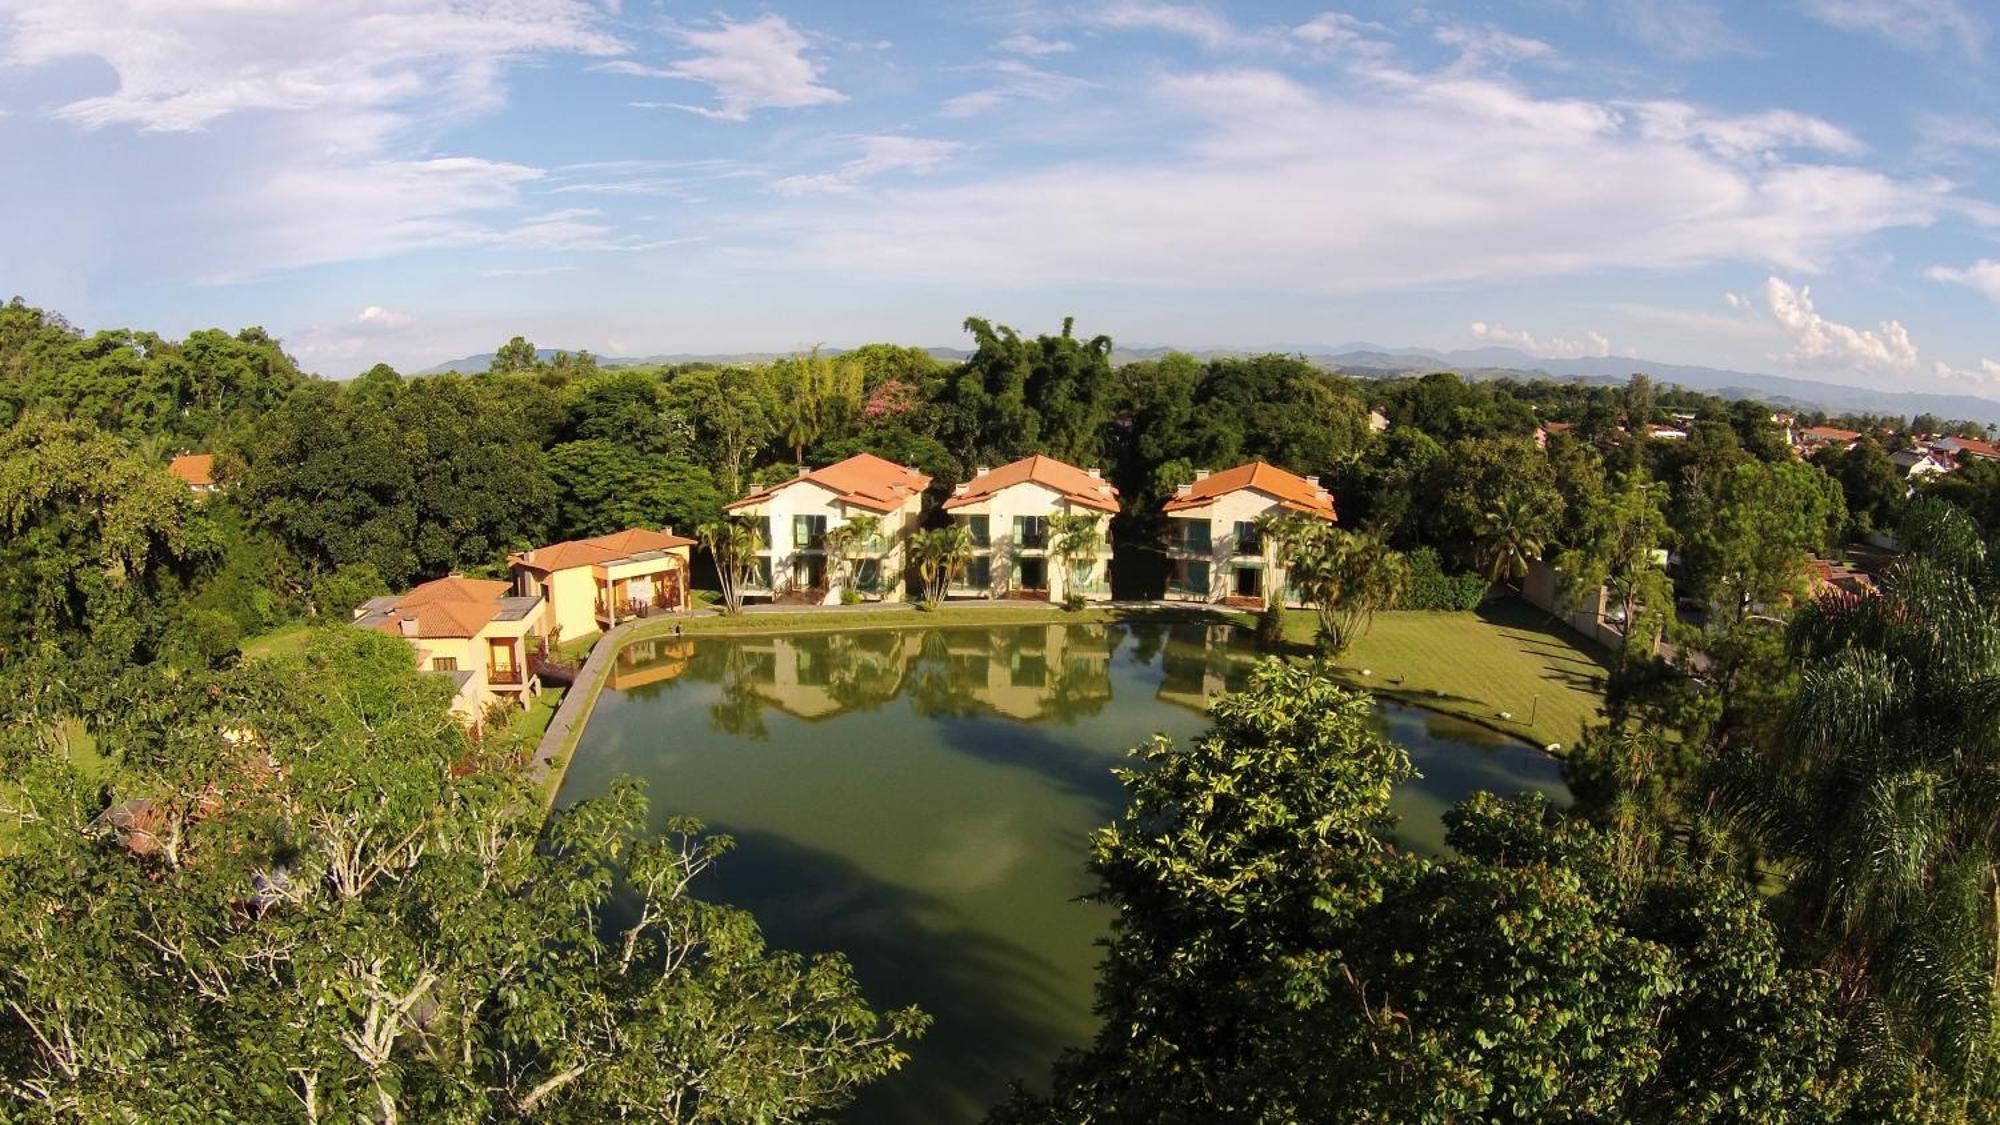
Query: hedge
[{"x": 1432, "y": 588}]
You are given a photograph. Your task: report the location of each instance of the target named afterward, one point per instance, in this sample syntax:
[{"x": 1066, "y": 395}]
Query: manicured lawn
[
  {"x": 1508, "y": 657},
  {"x": 290, "y": 640}
]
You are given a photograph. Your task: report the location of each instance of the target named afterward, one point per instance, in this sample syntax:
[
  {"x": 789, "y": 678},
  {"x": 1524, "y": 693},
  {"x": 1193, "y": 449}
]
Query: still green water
[{"x": 921, "y": 800}]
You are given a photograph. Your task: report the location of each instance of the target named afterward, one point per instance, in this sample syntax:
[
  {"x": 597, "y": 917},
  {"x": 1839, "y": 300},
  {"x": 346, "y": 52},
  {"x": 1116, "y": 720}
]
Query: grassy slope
[{"x": 1504, "y": 658}]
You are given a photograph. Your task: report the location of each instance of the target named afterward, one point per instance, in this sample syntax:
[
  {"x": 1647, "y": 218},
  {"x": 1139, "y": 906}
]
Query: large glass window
[
  {"x": 979, "y": 574},
  {"x": 1248, "y": 542},
  {"x": 1031, "y": 533},
  {"x": 1189, "y": 576},
  {"x": 980, "y": 528},
  {"x": 1189, "y": 535},
  {"x": 808, "y": 533},
  {"x": 1031, "y": 574},
  {"x": 868, "y": 575}
]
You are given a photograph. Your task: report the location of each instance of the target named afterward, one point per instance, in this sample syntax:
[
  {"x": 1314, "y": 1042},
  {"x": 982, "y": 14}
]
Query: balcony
[{"x": 505, "y": 677}]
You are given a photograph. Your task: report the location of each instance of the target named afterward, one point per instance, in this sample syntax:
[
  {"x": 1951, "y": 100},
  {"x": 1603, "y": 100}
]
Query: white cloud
[
  {"x": 1036, "y": 46},
  {"x": 1981, "y": 275},
  {"x": 1483, "y": 48},
  {"x": 1915, "y": 25},
  {"x": 1683, "y": 30},
  {"x": 1821, "y": 343},
  {"x": 1555, "y": 347},
  {"x": 375, "y": 316},
  {"x": 758, "y": 64},
  {"x": 1388, "y": 179},
  {"x": 1987, "y": 373},
  {"x": 1013, "y": 81},
  {"x": 360, "y": 67},
  {"x": 1337, "y": 31},
  {"x": 1190, "y": 21},
  {"x": 526, "y": 271},
  {"x": 879, "y": 155}
]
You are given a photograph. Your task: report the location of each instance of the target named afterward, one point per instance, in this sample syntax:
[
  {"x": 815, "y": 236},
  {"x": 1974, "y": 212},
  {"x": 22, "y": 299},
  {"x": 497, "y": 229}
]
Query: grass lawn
[
  {"x": 289, "y": 640},
  {"x": 1507, "y": 657}
]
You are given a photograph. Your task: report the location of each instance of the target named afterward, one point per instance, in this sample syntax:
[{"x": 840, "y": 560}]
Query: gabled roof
[
  {"x": 1292, "y": 492},
  {"x": 603, "y": 550},
  {"x": 1977, "y": 448},
  {"x": 1827, "y": 433},
  {"x": 196, "y": 469},
  {"x": 445, "y": 607},
  {"x": 1075, "y": 485},
  {"x": 862, "y": 481}
]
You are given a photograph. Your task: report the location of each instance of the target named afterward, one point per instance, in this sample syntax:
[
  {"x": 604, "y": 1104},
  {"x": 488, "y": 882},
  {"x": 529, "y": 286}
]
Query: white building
[
  {"x": 1007, "y": 512},
  {"x": 797, "y": 513},
  {"x": 1214, "y": 551}
]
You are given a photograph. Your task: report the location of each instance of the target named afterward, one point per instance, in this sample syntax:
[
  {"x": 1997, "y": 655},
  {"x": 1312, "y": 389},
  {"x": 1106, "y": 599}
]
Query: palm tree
[
  {"x": 844, "y": 542},
  {"x": 1881, "y": 805},
  {"x": 1280, "y": 531},
  {"x": 1347, "y": 576},
  {"x": 733, "y": 542},
  {"x": 941, "y": 555},
  {"x": 1511, "y": 537},
  {"x": 1074, "y": 538}
]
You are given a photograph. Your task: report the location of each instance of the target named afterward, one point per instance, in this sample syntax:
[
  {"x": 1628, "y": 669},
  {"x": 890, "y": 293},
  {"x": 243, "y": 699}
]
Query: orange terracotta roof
[
  {"x": 443, "y": 607},
  {"x": 1977, "y": 448},
  {"x": 196, "y": 469},
  {"x": 1075, "y": 485},
  {"x": 863, "y": 481},
  {"x": 1291, "y": 491},
  {"x": 1559, "y": 427},
  {"x": 1827, "y": 433},
  {"x": 602, "y": 550}
]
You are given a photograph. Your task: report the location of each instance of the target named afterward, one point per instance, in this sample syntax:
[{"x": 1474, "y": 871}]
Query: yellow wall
[{"x": 1031, "y": 499}]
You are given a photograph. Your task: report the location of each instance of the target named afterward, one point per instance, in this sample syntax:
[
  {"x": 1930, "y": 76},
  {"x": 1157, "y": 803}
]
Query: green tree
[
  {"x": 845, "y": 543},
  {"x": 516, "y": 357},
  {"x": 941, "y": 555},
  {"x": 1510, "y": 539},
  {"x": 313, "y": 900},
  {"x": 1075, "y": 538},
  {"x": 1347, "y": 577},
  {"x": 733, "y": 542}
]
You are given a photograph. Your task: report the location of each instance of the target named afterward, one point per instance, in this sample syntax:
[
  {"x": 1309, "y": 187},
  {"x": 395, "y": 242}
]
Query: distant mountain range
[{"x": 1364, "y": 360}]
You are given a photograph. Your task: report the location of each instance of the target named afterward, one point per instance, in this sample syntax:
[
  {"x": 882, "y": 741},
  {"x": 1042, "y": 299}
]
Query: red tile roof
[
  {"x": 603, "y": 549},
  {"x": 443, "y": 607},
  {"x": 1293, "y": 492},
  {"x": 862, "y": 481},
  {"x": 1075, "y": 485},
  {"x": 1827, "y": 434},
  {"x": 1973, "y": 447},
  {"x": 196, "y": 469}
]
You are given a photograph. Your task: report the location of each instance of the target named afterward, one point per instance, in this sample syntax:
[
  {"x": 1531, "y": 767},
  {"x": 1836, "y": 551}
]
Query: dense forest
[{"x": 1777, "y": 900}]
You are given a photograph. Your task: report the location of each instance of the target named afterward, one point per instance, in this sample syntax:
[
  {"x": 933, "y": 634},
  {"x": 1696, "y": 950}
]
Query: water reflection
[{"x": 921, "y": 800}]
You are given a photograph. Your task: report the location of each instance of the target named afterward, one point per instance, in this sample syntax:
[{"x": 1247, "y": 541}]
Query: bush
[
  {"x": 1271, "y": 625},
  {"x": 1432, "y": 588},
  {"x": 343, "y": 591},
  {"x": 849, "y": 596},
  {"x": 1074, "y": 603}
]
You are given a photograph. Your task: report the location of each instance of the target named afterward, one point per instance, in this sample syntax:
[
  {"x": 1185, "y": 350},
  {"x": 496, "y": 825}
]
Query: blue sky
[{"x": 1798, "y": 186}]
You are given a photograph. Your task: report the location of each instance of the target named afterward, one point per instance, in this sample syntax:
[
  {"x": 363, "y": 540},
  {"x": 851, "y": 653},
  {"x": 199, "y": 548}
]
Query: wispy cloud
[
  {"x": 879, "y": 155},
  {"x": 526, "y": 271},
  {"x": 1011, "y": 80},
  {"x": 1591, "y": 343},
  {"x": 1035, "y": 45},
  {"x": 1981, "y": 275},
  {"x": 752, "y": 65},
  {"x": 1682, "y": 30},
  {"x": 1916, "y": 25}
]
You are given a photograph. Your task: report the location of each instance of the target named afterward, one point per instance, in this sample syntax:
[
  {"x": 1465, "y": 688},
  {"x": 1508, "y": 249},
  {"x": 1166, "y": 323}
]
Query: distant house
[
  {"x": 196, "y": 470},
  {"x": 589, "y": 585},
  {"x": 1213, "y": 548},
  {"x": 1812, "y": 439},
  {"x": 1914, "y": 465},
  {"x": 1971, "y": 447},
  {"x": 1377, "y": 421},
  {"x": 1007, "y": 512},
  {"x": 477, "y": 631},
  {"x": 797, "y": 513},
  {"x": 1666, "y": 433}
]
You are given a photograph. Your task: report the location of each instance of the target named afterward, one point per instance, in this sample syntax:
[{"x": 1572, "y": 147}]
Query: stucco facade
[
  {"x": 590, "y": 585},
  {"x": 795, "y": 515},
  {"x": 475, "y": 631},
  {"x": 1213, "y": 550},
  {"x": 1007, "y": 510}
]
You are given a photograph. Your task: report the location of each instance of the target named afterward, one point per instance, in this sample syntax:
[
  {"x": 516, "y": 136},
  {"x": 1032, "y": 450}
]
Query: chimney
[
  {"x": 803, "y": 470},
  {"x": 1097, "y": 474},
  {"x": 1313, "y": 481},
  {"x": 1201, "y": 474},
  {"x": 980, "y": 471},
  {"x": 961, "y": 490},
  {"x": 1183, "y": 490},
  {"x": 407, "y": 626}
]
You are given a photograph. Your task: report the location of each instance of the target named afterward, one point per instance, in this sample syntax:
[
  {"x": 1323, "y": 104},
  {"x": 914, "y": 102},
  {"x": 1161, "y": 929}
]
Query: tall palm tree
[
  {"x": 941, "y": 555},
  {"x": 1510, "y": 537},
  {"x": 843, "y": 544},
  {"x": 1347, "y": 576},
  {"x": 1280, "y": 531},
  {"x": 1074, "y": 538},
  {"x": 1880, "y": 804},
  {"x": 733, "y": 541}
]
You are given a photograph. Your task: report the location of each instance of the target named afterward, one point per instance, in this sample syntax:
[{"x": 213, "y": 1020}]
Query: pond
[{"x": 921, "y": 800}]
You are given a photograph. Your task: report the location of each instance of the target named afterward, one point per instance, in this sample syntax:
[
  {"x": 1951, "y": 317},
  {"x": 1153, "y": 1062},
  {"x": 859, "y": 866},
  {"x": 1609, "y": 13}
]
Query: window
[
  {"x": 1189, "y": 576},
  {"x": 1031, "y": 533},
  {"x": 1248, "y": 542},
  {"x": 980, "y": 528},
  {"x": 1189, "y": 535},
  {"x": 762, "y": 579},
  {"x": 444, "y": 664},
  {"x": 1249, "y": 582},
  {"x": 766, "y": 528},
  {"x": 1029, "y": 670},
  {"x": 868, "y": 575},
  {"x": 979, "y": 574},
  {"x": 809, "y": 533}
]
